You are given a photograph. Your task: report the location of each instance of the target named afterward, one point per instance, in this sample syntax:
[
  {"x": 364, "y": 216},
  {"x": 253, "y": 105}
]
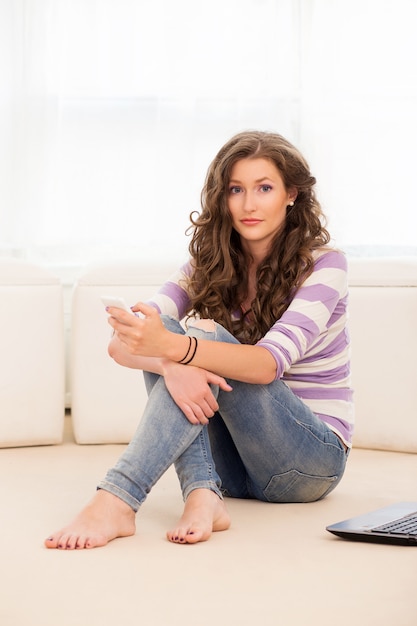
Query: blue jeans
[{"x": 263, "y": 443}]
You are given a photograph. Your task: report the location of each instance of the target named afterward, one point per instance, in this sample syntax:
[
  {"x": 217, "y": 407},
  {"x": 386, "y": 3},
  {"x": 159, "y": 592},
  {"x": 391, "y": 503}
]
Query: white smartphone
[{"x": 116, "y": 301}]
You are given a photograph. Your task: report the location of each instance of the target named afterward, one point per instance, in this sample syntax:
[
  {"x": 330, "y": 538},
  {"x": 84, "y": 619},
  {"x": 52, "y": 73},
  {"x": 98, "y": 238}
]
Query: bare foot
[
  {"x": 204, "y": 513},
  {"x": 103, "y": 519}
]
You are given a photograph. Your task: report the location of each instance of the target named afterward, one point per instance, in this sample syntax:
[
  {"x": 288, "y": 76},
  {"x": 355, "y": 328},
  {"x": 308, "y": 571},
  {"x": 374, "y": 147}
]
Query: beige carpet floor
[{"x": 276, "y": 565}]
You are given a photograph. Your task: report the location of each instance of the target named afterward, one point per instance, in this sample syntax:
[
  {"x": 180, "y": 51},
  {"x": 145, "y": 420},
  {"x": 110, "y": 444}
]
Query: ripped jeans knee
[{"x": 200, "y": 328}]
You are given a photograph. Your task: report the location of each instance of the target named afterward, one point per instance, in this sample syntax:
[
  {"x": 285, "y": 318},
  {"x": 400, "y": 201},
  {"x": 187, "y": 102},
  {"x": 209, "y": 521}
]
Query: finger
[
  {"x": 200, "y": 415},
  {"x": 127, "y": 334},
  {"x": 204, "y": 408},
  {"x": 146, "y": 309},
  {"x": 189, "y": 414},
  {"x": 119, "y": 316},
  {"x": 225, "y": 386},
  {"x": 212, "y": 406},
  {"x": 218, "y": 380}
]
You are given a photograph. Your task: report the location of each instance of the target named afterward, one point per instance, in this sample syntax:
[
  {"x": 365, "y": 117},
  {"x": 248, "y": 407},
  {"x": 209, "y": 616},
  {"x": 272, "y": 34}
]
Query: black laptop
[{"x": 395, "y": 524}]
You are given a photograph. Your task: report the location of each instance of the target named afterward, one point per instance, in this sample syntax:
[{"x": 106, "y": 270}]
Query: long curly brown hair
[{"x": 219, "y": 280}]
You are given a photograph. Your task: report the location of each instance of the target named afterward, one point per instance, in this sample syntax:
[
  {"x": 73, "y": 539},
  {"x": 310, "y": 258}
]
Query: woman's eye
[
  {"x": 235, "y": 189},
  {"x": 266, "y": 188}
]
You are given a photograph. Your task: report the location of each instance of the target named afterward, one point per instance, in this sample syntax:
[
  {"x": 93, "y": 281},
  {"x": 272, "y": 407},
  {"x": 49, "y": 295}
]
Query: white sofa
[
  {"x": 32, "y": 377},
  {"x": 277, "y": 565},
  {"x": 383, "y": 315},
  {"x": 107, "y": 400}
]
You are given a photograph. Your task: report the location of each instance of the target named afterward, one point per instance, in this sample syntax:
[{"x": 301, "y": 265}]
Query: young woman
[{"x": 249, "y": 397}]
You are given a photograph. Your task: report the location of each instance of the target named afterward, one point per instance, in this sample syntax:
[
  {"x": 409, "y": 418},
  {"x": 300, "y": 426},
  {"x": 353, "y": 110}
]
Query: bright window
[{"x": 111, "y": 110}]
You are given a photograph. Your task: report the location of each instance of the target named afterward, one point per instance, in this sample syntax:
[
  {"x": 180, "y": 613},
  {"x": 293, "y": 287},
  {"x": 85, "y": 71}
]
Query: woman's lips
[{"x": 249, "y": 222}]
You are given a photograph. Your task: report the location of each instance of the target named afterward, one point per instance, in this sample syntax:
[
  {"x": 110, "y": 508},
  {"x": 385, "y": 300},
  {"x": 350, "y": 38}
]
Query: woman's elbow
[
  {"x": 268, "y": 372},
  {"x": 267, "y": 377}
]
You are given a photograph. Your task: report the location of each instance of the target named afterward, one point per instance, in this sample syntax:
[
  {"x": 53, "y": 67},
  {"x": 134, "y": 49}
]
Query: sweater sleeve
[
  {"x": 310, "y": 327},
  {"x": 172, "y": 298}
]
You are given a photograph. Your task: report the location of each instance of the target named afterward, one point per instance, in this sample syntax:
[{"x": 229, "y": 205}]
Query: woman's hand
[
  {"x": 190, "y": 389},
  {"x": 146, "y": 336},
  {"x": 141, "y": 336}
]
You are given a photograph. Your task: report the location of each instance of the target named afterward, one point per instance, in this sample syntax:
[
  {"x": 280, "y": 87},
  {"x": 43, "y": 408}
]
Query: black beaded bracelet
[
  {"x": 194, "y": 351},
  {"x": 188, "y": 351}
]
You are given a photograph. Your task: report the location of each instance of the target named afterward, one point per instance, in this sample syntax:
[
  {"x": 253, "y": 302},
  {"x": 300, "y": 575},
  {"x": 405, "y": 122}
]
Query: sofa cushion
[
  {"x": 32, "y": 364},
  {"x": 382, "y": 322}
]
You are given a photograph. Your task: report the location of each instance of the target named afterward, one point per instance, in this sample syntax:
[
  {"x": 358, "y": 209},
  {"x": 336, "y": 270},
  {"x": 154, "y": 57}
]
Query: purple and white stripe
[{"x": 310, "y": 343}]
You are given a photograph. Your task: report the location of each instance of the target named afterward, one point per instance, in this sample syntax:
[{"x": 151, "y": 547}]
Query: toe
[
  {"x": 173, "y": 535},
  {"x": 63, "y": 542},
  {"x": 72, "y": 542},
  {"x": 196, "y": 535},
  {"x": 51, "y": 542}
]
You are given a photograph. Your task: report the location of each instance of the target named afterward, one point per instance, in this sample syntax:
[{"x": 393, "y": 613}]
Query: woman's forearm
[
  {"x": 134, "y": 337},
  {"x": 246, "y": 363}
]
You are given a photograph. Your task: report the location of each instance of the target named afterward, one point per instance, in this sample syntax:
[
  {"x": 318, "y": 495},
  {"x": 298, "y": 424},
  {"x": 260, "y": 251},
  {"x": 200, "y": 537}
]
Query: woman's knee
[{"x": 209, "y": 326}]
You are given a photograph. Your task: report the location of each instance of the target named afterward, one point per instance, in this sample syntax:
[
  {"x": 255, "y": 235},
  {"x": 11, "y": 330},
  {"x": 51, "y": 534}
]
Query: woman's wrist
[
  {"x": 183, "y": 349},
  {"x": 191, "y": 352},
  {"x": 177, "y": 347}
]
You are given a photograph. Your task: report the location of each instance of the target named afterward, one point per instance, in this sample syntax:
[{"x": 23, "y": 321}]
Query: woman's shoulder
[{"x": 330, "y": 257}]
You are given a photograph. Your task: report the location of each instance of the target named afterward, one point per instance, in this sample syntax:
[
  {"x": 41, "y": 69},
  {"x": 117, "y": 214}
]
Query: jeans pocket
[{"x": 293, "y": 486}]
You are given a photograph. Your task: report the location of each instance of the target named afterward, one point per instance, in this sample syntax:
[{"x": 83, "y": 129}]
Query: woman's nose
[{"x": 249, "y": 203}]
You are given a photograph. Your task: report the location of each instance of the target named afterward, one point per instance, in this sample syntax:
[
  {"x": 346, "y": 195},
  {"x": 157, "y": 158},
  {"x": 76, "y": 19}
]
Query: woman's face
[{"x": 257, "y": 201}]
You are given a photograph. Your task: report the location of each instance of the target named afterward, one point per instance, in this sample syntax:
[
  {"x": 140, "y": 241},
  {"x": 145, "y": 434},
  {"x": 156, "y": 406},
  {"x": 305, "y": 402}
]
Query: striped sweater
[{"x": 310, "y": 342}]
